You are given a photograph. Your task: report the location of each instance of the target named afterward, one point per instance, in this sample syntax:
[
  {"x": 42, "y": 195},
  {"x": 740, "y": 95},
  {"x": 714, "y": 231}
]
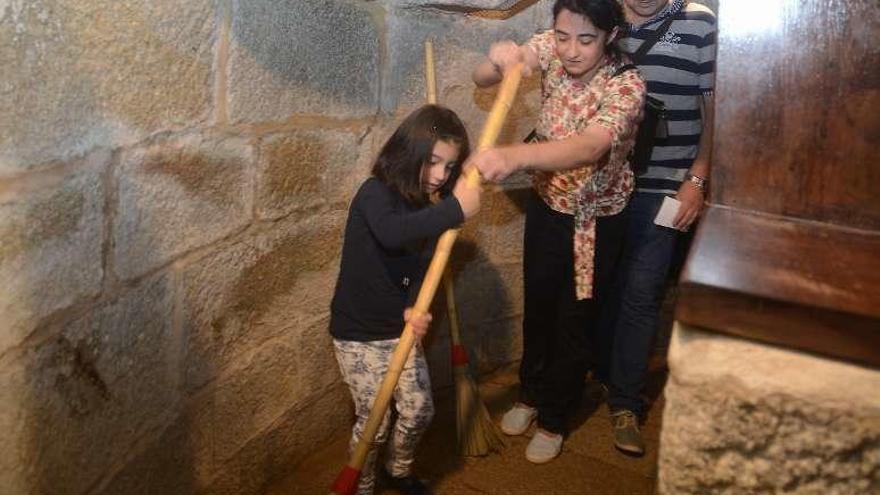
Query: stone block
[
  {"x": 304, "y": 56},
  {"x": 50, "y": 247},
  {"x": 460, "y": 43},
  {"x": 177, "y": 195},
  {"x": 270, "y": 455},
  {"x": 309, "y": 168},
  {"x": 166, "y": 467},
  {"x": 496, "y": 232},
  {"x": 80, "y": 401},
  {"x": 102, "y": 73},
  {"x": 261, "y": 286},
  {"x": 744, "y": 417},
  {"x": 488, "y": 297},
  {"x": 250, "y": 398}
]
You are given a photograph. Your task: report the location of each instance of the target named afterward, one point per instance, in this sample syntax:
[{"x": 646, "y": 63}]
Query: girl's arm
[
  {"x": 502, "y": 55},
  {"x": 393, "y": 226}
]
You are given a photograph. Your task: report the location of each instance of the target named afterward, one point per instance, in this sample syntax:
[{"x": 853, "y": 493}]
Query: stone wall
[
  {"x": 744, "y": 417},
  {"x": 174, "y": 178}
]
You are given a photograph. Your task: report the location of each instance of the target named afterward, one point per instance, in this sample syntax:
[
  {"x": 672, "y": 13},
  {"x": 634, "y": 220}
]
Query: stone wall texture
[
  {"x": 743, "y": 417},
  {"x": 174, "y": 182}
]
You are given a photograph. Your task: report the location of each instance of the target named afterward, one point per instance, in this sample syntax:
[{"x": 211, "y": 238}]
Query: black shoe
[{"x": 407, "y": 485}]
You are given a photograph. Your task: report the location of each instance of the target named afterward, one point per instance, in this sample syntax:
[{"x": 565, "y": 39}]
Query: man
[{"x": 680, "y": 70}]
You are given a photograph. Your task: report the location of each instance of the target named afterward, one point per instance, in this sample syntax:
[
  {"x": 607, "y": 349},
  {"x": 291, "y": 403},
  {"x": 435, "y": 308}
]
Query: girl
[
  {"x": 389, "y": 239},
  {"x": 591, "y": 105}
]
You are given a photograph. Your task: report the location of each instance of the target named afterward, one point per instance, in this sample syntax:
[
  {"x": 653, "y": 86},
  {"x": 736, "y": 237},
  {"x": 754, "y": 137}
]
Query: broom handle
[
  {"x": 491, "y": 130},
  {"x": 450, "y": 308},
  {"x": 430, "y": 76},
  {"x": 431, "y": 84}
]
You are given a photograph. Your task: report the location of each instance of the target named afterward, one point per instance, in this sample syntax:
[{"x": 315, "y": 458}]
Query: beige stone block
[
  {"x": 51, "y": 237},
  {"x": 272, "y": 454},
  {"x": 308, "y": 169},
  {"x": 168, "y": 466},
  {"x": 745, "y": 417},
  {"x": 287, "y": 58},
  {"x": 99, "y": 73},
  {"x": 460, "y": 43},
  {"x": 488, "y": 297},
  {"x": 248, "y": 399},
  {"x": 177, "y": 195},
  {"x": 261, "y": 286},
  {"x": 78, "y": 403}
]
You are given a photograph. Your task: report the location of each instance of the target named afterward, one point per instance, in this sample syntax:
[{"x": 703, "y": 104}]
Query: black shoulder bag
[{"x": 654, "y": 122}]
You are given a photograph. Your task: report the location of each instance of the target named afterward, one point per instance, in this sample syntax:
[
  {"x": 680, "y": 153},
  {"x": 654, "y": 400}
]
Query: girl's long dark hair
[
  {"x": 400, "y": 162},
  {"x": 604, "y": 14}
]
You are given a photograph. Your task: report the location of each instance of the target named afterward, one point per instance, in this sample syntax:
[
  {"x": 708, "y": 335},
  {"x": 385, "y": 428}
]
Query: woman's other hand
[{"x": 494, "y": 164}]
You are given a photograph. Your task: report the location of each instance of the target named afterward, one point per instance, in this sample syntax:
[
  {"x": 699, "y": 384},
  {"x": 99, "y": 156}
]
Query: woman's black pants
[{"x": 558, "y": 330}]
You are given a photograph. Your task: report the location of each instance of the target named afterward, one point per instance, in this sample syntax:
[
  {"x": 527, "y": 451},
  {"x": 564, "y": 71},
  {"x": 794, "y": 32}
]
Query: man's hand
[
  {"x": 692, "y": 200},
  {"x": 419, "y": 321}
]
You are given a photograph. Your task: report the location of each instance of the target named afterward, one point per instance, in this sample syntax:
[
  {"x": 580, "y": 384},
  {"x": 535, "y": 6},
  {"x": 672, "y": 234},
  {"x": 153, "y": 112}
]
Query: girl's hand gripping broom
[
  {"x": 346, "y": 482},
  {"x": 477, "y": 433}
]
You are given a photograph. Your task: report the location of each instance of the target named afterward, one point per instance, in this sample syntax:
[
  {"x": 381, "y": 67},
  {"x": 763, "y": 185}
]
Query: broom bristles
[{"x": 477, "y": 433}]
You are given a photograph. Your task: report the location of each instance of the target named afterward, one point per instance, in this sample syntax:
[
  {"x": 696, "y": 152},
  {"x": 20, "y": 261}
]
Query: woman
[{"x": 591, "y": 104}]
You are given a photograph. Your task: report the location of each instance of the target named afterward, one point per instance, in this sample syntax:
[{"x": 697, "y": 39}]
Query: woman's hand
[
  {"x": 504, "y": 54},
  {"x": 419, "y": 321},
  {"x": 468, "y": 196},
  {"x": 495, "y": 164}
]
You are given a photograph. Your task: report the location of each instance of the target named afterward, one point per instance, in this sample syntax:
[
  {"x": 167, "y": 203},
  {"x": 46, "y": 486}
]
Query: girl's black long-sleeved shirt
[{"x": 387, "y": 247}]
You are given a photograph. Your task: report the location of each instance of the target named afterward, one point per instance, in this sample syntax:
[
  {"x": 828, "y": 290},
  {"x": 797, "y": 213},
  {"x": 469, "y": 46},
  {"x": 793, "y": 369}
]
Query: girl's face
[
  {"x": 443, "y": 160},
  {"x": 579, "y": 44}
]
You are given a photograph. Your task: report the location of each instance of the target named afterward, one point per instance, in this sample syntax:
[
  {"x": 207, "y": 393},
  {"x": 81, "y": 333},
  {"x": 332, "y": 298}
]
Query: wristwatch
[{"x": 701, "y": 182}]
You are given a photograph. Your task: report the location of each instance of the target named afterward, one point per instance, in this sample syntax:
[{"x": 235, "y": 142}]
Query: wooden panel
[
  {"x": 805, "y": 285},
  {"x": 798, "y": 109},
  {"x": 806, "y": 263}
]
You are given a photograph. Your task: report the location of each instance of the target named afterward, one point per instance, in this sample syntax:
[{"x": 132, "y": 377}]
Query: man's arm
[{"x": 691, "y": 196}]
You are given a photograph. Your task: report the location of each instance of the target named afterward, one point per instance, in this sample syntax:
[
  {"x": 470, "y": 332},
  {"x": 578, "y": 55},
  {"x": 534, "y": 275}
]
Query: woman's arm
[{"x": 588, "y": 147}]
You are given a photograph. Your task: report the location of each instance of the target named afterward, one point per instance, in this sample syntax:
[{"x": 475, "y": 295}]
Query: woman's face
[
  {"x": 579, "y": 44},
  {"x": 443, "y": 160}
]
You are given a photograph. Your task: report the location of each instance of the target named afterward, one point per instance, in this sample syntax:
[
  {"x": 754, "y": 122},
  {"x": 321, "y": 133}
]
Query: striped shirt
[{"x": 679, "y": 69}]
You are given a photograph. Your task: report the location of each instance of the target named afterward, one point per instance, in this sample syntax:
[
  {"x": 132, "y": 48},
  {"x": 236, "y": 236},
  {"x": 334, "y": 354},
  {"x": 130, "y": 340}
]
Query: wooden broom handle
[
  {"x": 430, "y": 75},
  {"x": 431, "y": 85},
  {"x": 491, "y": 130},
  {"x": 451, "y": 310}
]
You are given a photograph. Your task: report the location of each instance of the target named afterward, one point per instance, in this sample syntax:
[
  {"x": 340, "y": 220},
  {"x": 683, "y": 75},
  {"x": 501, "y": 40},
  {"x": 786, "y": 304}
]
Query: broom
[
  {"x": 477, "y": 433},
  {"x": 347, "y": 480}
]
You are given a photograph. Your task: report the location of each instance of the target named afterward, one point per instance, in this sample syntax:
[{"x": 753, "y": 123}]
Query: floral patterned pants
[{"x": 363, "y": 366}]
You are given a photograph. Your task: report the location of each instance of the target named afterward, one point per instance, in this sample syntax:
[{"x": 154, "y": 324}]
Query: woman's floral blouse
[{"x": 568, "y": 107}]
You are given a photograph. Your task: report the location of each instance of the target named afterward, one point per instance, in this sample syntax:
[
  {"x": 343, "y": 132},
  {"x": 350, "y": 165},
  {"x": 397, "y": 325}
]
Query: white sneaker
[
  {"x": 544, "y": 447},
  {"x": 518, "y": 419}
]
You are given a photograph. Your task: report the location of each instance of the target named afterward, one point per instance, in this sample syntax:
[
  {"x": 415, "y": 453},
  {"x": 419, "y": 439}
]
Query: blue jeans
[{"x": 632, "y": 317}]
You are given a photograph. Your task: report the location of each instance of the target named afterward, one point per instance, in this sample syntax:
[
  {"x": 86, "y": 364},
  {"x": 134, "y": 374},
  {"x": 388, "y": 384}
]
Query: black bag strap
[
  {"x": 651, "y": 40},
  {"x": 623, "y": 68}
]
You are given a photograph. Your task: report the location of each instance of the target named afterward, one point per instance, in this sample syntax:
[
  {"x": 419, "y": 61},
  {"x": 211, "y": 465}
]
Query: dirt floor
[{"x": 589, "y": 463}]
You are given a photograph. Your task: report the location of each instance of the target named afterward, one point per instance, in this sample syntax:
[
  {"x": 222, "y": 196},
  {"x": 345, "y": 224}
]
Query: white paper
[{"x": 667, "y": 212}]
